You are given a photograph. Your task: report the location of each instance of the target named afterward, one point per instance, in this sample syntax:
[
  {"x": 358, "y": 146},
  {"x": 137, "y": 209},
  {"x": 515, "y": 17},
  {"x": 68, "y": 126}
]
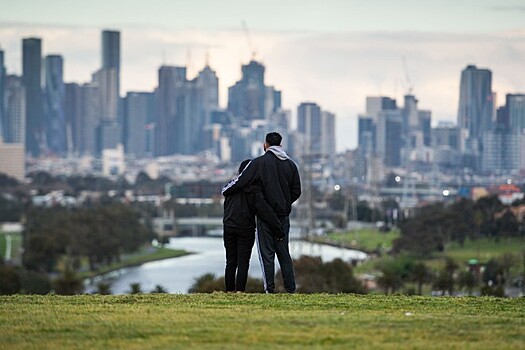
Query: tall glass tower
[
  {"x": 476, "y": 107},
  {"x": 54, "y": 105},
  {"x": 32, "y": 80}
]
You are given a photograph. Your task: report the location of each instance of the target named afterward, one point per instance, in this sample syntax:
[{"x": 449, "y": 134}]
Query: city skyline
[{"x": 348, "y": 65}]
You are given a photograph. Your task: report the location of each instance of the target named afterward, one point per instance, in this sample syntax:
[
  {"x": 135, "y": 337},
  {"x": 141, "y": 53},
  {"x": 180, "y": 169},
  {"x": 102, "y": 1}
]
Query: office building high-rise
[
  {"x": 250, "y": 99},
  {"x": 501, "y": 152},
  {"x": 208, "y": 83},
  {"x": 32, "y": 79},
  {"x": 476, "y": 108},
  {"x": 376, "y": 104},
  {"x": 328, "y": 146},
  {"x": 425, "y": 125},
  {"x": 317, "y": 128},
  {"x": 138, "y": 126},
  {"x": 15, "y": 112},
  {"x": 515, "y": 109},
  {"x": 309, "y": 124},
  {"x": 54, "y": 105},
  {"x": 89, "y": 118},
  {"x": 111, "y": 54},
  {"x": 366, "y": 135},
  {"x": 73, "y": 115},
  {"x": 169, "y": 99},
  {"x": 389, "y": 136}
]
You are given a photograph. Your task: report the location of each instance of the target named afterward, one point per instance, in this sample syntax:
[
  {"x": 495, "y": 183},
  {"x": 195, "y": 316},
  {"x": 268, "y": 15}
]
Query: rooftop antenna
[
  {"x": 253, "y": 52},
  {"x": 407, "y": 77},
  {"x": 207, "y": 57}
]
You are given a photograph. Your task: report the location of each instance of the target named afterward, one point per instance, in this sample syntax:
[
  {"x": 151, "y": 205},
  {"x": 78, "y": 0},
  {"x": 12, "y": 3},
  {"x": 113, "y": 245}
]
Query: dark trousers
[
  {"x": 238, "y": 244},
  {"x": 268, "y": 247}
]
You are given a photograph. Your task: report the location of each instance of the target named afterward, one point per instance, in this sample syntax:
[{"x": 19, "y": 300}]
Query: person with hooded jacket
[
  {"x": 279, "y": 178},
  {"x": 240, "y": 210}
]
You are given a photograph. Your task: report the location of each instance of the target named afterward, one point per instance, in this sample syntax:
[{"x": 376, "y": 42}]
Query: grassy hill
[{"x": 259, "y": 321}]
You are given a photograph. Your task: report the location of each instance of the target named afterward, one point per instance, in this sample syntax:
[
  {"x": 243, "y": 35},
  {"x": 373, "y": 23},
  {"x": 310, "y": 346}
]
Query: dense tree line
[
  {"x": 404, "y": 274},
  {"x": 435, "y": 225},
  {"x": 312, "y": 276},
  {"x": 101, "y": 235}
]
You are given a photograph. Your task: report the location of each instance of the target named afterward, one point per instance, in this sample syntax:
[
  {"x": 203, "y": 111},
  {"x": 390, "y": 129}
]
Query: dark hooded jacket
[{"x": 278, "y": 176}]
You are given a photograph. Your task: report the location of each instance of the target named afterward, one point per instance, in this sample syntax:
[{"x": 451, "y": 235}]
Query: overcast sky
[{"x": 334, "y": 53}]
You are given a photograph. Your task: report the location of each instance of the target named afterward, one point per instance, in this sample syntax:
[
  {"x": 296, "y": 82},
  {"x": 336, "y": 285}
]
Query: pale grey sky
[{"x": 332, "y": 52}]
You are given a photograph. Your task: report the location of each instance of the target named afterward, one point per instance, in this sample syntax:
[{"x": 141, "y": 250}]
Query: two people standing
[{"x": 265, "y": 188}]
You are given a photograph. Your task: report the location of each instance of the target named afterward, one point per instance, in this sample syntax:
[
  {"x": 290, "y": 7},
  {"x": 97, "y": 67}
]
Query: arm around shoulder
[{"x": 245, "y": 178}]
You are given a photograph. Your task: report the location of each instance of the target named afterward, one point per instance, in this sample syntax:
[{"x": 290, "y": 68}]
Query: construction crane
[{"x": 253, "y": 52}]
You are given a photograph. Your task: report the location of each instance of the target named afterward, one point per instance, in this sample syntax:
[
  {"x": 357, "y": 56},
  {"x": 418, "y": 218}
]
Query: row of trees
[
  {"x": 437, "y": 224},
  {"x": 398, "y": 273},
  {"x": 100, "y": 235}
]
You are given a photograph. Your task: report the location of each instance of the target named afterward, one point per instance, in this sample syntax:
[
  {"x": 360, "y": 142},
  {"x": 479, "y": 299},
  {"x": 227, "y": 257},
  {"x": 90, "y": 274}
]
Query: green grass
[
  {"x": 483, "y": 250},
  {"x": 364, "y": 239},
  {"x": 259, "y": 321},
  {"x": 16, "y": 243},
  {"x": 143, "y": 256}
]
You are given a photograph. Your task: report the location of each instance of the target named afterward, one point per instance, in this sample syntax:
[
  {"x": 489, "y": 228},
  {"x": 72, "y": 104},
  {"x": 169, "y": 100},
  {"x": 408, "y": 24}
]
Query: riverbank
[
  {"x": 368, "y": 240},
  {"x": 281, "y": 321},
  {"x": 145, "y": 255}
]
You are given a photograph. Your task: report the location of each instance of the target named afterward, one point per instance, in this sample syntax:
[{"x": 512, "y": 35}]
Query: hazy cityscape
[
  {"x": 124, "y": 125},
  {"x": 94, "y": 128}
]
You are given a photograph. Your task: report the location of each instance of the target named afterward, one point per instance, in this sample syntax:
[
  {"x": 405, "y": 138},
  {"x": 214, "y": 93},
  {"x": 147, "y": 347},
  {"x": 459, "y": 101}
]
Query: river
[{"x": 177, "y": 275}]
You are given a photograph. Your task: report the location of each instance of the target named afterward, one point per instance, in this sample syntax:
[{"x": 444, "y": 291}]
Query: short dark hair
[
  {"x": 243, "y": 165},
  {"x": 274, "y": 138}
]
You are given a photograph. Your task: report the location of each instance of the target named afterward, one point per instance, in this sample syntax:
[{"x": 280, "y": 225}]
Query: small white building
[{"x": 113, "y": 161}]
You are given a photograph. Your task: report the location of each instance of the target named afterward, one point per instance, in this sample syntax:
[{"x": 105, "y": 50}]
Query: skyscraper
[
  {"x": 111, "y": 54},
  {"x": 138, "y": 116},
  {"x": 15, "y": 113},
  {"x": 476, "y": 108},
  {"x": 54, "y": 105},
  {"x": 250, "y": 99},
  {"x": 90, "y": 118},
  {"x": 208, "y": 82},
  {"x": 32, "y": 79},
  {"x": 309, "y": 124},
  {"x": 73, "y": 115},
  {"x": 389, "y": 136},
  {"x": 170, "y": 100},
  {"x": 328, "y": 146},
  {"x": 375, "y": 104},
  {"x": 515, "y": 108}
]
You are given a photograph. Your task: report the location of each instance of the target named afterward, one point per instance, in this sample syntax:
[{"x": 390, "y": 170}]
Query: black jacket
[
  {"x": 240, "y": 209},
  {"x": 279, "y": 179}
]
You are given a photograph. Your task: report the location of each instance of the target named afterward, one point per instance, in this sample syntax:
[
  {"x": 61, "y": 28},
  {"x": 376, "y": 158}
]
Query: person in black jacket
[
  {"x": 239, "y": 231},
  {"x": 281, "y": 186}
]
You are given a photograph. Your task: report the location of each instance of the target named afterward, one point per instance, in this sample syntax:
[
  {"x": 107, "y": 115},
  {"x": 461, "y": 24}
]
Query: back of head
[
  {"x": 273, "y": 139},
  {"x": 243, "y": 165}
]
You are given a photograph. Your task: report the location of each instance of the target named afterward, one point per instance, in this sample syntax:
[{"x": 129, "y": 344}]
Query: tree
[
  {"x": 135, "y": 288},
  {"x": 420, "y": 274},
  {"x": 103, "y": 288},
  {"x": 10, "y": 282},
  {"x": 493, "y": 273},
  {"x": 159, "y": 289},
  {"x": 206, "y": 284},
  {"x": 68, "y": 284},
  {"x": 467, "y": 280},
  {"x": 450, "y": 269},
  {"x": 507, "y": 261}
]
